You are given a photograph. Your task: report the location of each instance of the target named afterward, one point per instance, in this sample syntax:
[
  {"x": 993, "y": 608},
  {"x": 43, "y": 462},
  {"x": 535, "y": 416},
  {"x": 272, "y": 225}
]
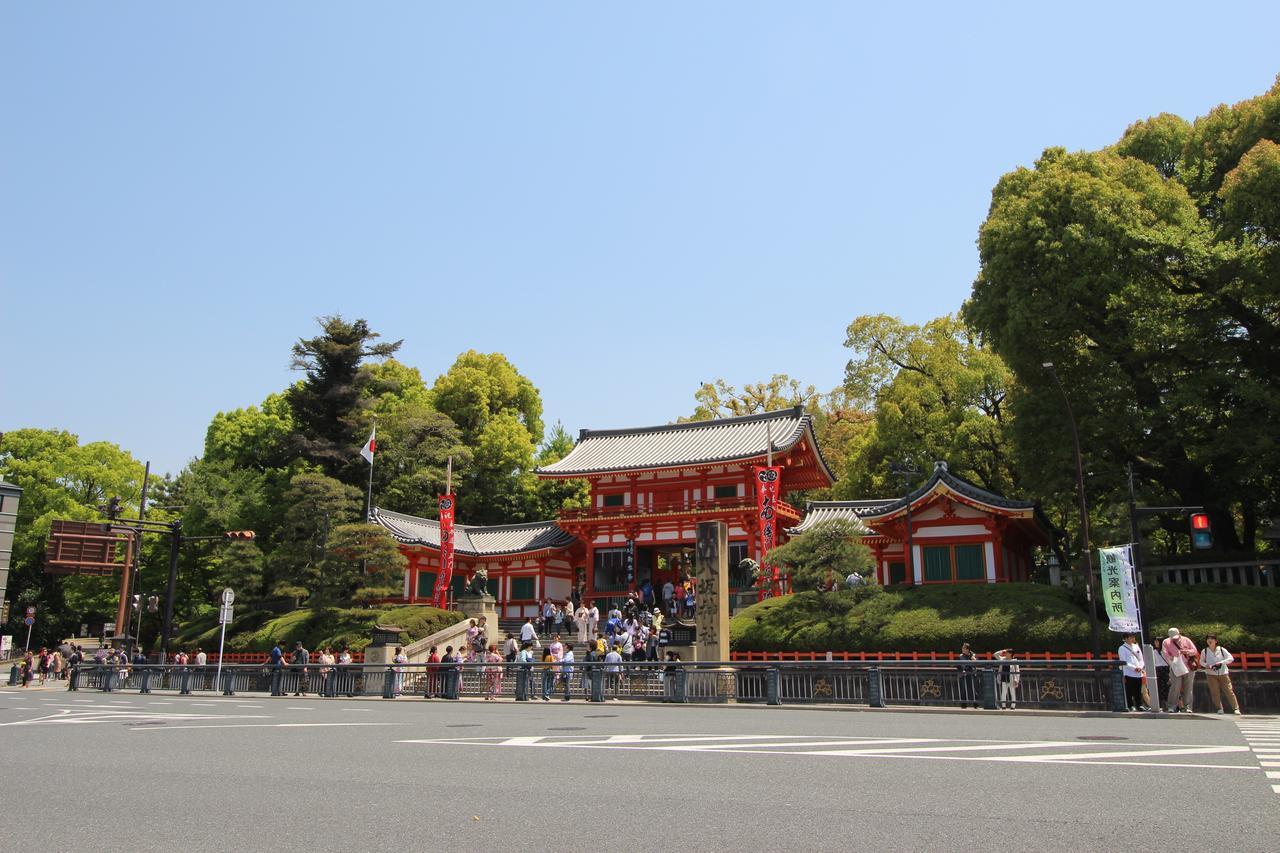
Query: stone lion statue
[{"x": 479, "y": 582}]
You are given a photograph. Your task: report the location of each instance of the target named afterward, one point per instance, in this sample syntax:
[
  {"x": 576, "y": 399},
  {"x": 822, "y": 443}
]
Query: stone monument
[
  {"x": 712, "y": 615},
  {"x": 476, "y": 602}
]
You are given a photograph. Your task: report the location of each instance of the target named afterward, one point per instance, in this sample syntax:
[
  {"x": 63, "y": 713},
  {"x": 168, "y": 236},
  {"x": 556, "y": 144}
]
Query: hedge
[
  {"x": 1025, "y": 616},
  {"x": 254, "y": 631}
]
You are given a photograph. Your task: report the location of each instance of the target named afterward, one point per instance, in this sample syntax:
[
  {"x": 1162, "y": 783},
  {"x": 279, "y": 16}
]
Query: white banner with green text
[{"x": 1118, "y": 588}]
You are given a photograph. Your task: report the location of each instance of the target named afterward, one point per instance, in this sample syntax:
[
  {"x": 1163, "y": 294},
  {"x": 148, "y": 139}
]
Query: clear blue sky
[{"x": 626, "y": 200}]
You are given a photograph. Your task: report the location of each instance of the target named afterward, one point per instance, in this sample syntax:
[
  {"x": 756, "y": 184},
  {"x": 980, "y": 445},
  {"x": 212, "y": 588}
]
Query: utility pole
[{"x": 175, "y": 544}]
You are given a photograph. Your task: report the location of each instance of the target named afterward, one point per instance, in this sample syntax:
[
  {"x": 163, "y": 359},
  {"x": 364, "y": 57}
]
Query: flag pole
[
  {"x": 448, "y": 478},
  {"x": 368, "y": 500},
  {"x": 768, "y": 443}
]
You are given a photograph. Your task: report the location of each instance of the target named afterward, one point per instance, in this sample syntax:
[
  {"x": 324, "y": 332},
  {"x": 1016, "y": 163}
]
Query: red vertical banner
[
  {"x": 767, "y": 481},
  {"x": 445, "y": 575}
]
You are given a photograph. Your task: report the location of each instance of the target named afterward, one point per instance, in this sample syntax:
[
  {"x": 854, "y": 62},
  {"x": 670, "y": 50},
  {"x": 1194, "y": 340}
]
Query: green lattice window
[
  {"x": 969, "y": 563},
  {"x": 937, "y": 563},
  {"x": 524, "y": 588}
]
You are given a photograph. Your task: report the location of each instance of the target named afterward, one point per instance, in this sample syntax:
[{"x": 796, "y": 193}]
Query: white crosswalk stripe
[
  {"x": 1054, "y": 752},
  {"x": 1263, "y": 736}
]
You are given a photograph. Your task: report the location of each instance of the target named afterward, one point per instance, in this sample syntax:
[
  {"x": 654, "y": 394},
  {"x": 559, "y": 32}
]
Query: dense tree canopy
[
  {"x": 937, "y": 393},
  {"x": 1148, "y": 275}
]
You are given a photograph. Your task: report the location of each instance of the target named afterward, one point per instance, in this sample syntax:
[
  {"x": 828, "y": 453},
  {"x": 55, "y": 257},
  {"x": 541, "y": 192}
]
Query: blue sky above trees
[{"x": 617, "y": 198}]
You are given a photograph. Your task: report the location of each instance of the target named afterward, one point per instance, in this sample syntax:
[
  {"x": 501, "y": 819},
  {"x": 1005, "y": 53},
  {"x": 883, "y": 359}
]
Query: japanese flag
[{"x": 370, "y": 446}]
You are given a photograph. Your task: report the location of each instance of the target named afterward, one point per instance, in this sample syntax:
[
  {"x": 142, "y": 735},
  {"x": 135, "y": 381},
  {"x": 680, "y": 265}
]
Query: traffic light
[
  {"x": 240, "y": 534},
  {"x": 113, "y": 508},
  {"x": 1201, "y": 532}
]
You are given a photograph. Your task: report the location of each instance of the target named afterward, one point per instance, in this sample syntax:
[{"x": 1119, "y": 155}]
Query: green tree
[
  {"x": 500, "y": 415},
  {"x": 316, "y": 506},
  {"x": 938, "y": 393},
  {"x": 481, "y": 386},
  {"x": 502, "y": 484},
  {"x": 61, "y": 479},
  {"x": 719, "y": 399},
  {"x": 556, "y": 494},
  {"x": 830, "y": 550},
  {"x": 326, "y": 404},
  {"x": 1148, "y": 274},
  {"x": 415, "y": 443},
  {"x": 363, "y": 563}
]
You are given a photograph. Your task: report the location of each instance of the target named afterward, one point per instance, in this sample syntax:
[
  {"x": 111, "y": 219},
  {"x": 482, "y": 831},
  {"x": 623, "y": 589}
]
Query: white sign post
[{"x": 224, "y": 616}]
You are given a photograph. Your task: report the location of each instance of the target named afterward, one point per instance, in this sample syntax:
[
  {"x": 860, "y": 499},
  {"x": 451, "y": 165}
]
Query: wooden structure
[
  {"x": 650, "y": 486},
  {"x": 960, "y": 532}
]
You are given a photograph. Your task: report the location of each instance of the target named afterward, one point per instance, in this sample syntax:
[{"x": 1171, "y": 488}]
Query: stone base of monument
[{"x": 475, "y": 606}]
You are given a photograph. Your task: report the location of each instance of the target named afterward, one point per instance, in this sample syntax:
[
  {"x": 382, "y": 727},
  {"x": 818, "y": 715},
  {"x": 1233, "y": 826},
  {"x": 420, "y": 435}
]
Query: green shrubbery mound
[
  {"x": 254, "y": 631},
  {"x": 1027, "y": 617}
]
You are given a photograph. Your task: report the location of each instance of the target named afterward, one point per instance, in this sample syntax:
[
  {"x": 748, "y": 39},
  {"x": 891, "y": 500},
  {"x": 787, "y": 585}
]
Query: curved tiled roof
[
  {"x": 816, "y": 512},
  {"x": 694, "y": 443},
  {"x": 958, "y": 485},
  {"x": 474, "y": 540}
]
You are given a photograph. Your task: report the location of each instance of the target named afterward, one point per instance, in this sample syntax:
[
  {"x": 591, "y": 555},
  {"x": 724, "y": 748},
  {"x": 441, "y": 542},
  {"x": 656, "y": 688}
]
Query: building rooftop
[
  {"x": 474, "y": 540},
  {"x": 695, "y": 443}
]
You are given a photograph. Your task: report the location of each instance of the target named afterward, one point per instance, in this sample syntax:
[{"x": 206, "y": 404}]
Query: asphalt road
[{"x": 88, "y": 771}]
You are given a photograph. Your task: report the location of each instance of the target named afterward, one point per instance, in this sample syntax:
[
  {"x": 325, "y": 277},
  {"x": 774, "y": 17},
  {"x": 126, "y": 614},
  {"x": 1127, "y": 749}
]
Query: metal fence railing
[{"x": 1053, "y": 684}]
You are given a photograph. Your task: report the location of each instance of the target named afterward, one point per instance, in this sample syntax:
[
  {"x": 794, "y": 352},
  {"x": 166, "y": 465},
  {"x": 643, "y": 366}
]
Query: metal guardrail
[{"x": 1079, "y": 685}]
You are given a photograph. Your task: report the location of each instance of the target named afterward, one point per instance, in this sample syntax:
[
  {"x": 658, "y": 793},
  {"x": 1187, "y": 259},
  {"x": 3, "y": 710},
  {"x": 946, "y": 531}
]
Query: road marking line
[
  {"x": 1276, "y": 788},
  {"x": 262, "y": 726},
  {"x": 1067, "y": 756},
  {"x": 299, "y": 708},
  {"x": 1273, "y": 774},
  {"x": 969, "y": 748},
  {"x": 746, "y": 747},
  {"x": 365, "y": 710}
]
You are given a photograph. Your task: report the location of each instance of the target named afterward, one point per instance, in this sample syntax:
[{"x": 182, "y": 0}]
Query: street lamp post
[
  {"x": 907, "y": 472},
  {"x": 1084, "y": 514}
]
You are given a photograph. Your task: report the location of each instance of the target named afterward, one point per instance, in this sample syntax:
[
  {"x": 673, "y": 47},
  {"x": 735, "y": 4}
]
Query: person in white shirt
[
  {"x": 668, "y": 592},
  {"x": 614, "y": 669},
  {"x": 1134, "y": 671},
  {"x": 528, "y": 633},
  {"x": 580, "y": 617},
  {"x": 593, "y": 619},
  {"x": 1214, "y": 658},
  {"x": 1008, "y": 677},
  {"x": 201, "y": 657},
  {"x": 566, "y": 670}
]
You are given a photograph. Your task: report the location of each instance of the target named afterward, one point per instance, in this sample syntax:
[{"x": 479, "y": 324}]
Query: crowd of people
[{"x": 1176, "y": 664}]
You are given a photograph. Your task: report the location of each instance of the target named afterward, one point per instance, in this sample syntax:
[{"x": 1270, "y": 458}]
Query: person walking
[
  {"x": 1215, "y": 658},
  {"x": 580, "y": 617},
  {"x": 1009, "y": 678},
  {"x": 528, "y": 633},
  {"x": 968, "y": 677},
  {"x": 1183, "y": 659},
  {"x": 548, "y": 616},
  {"x": 593, "y": 619},
  {"x": 1134, "y": 672}
]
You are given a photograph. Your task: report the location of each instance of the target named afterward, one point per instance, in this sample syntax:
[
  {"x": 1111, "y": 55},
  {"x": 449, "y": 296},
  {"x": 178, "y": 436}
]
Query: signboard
[
  {"x": 629, "y": 559},
  {"x": 109, "y": 629},
  {"x": 29, "y": 621},
  {"x": 225, "y": 613},
  {"x": 87, "y": 548},
  {"x": 228, "y": 596},
  {"x": 6, "y": 645},
  {"x": 445, "y": 575},
  {"x": 664, "y": 637},
  {"x": 767, "y": 481},
  {"x": 1118, "y": 595},
  {"x": 31, "y": 611}
]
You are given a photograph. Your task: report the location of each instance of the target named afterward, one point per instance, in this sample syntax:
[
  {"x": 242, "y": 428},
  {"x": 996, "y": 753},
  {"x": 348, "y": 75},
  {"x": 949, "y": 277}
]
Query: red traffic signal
[
  {"x": 240, "y": 534},
  {"x": 1201, "y": 532}
]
